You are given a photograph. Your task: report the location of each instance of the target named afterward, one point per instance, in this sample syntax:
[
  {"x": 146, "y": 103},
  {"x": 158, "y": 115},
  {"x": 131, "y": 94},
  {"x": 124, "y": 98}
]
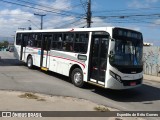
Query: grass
[
  {"x": 101, "y": 109},
  {"x": 31, "y": 96},
  {"x": 41, "y": 99}
]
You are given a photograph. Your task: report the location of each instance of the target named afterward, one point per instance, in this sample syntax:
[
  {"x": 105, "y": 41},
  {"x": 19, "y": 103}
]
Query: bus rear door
[
  {"x": 24, "y": 41},
  {"x": 45, "y": 51}
]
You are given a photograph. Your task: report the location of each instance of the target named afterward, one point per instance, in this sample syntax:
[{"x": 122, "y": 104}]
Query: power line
[
  {"x": 25, "y": 5},
  {"x": 126, "y": 16},
  {"x": 120, "y": 10},
  {"x": 70, "y": 23},
  {"x": 129, "y": 21},
  {"x": 36, "y": 8},
  {"x": 34, "y": 24},
  {"x": 48, "y": 7},
  {"x": 83, "y": 6}
]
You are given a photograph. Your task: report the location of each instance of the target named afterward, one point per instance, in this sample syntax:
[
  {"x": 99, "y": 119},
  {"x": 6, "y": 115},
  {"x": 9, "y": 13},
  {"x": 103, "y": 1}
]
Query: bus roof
[{"x": 68, "y": 30}]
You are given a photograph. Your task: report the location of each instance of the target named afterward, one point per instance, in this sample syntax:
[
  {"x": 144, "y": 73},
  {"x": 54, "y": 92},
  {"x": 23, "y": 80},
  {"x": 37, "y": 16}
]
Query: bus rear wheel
[
  {"x": 77, "y": 77},
  {"x": 30, "y": 62}
]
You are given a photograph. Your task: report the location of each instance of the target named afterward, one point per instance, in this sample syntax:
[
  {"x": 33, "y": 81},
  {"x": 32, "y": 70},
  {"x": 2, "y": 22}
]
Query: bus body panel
[{"x": 61, "y": 62}]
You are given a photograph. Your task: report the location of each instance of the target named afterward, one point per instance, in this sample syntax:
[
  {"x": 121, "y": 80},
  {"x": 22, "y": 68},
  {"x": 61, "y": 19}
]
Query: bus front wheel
[
  {"x": 77, "y": 77},
  {"x": 30, "y": 62}
]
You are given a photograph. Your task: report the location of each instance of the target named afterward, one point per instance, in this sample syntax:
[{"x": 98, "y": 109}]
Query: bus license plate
[{"x": 132, "y": 83}]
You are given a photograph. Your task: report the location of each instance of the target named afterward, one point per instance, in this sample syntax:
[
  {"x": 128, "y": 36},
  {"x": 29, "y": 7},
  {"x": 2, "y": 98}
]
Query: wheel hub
[
  {"x": 78, "y": 77},
  {"x": 29, "y": 62}
]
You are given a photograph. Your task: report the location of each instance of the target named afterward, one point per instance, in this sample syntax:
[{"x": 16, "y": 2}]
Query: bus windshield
[{"x": 127, "y": 53}]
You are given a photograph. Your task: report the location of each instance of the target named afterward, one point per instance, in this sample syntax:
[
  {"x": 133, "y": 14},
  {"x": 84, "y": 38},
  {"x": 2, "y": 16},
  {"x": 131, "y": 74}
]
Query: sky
[{"x": 141, "y": 15}]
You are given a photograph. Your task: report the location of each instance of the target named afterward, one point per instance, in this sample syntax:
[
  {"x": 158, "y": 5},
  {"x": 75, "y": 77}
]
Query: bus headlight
[
  {"x": 112, "y": 74},
  {"x": 118, "y": 78},
  {"x": 115, "y": 76}
]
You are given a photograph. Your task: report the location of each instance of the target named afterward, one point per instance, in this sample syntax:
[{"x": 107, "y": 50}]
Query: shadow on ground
[
  {"x": 11, "y": 62},
  {"x": 146, "y": 93}
]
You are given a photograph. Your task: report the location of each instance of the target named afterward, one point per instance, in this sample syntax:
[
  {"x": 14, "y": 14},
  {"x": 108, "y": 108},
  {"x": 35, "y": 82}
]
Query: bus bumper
[{"x": 124, "y": 84}]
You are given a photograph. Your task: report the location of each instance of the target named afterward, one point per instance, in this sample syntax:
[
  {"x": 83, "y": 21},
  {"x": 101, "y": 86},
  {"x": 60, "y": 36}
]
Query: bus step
[
  {"x": 99, "y": 85},
  {"x": 43, "y": 68}
]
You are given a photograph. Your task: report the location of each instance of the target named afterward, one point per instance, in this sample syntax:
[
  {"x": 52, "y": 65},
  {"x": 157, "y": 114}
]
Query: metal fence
[{"x": 151, "y": 61}]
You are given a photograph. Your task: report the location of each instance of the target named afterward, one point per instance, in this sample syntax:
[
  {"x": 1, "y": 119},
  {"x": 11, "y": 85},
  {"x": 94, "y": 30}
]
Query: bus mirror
[{"x": 82, "y": 57}]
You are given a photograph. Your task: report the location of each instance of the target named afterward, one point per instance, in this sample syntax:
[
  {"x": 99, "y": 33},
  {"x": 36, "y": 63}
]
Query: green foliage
[{"x": 4, "y": 44}]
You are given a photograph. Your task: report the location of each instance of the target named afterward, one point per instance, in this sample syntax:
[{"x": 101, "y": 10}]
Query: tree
[
  {"x": 1, "y": 45},
  {"x": 5, "y": 44}
]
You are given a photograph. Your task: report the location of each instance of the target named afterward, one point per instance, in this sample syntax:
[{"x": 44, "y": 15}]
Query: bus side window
[
  {"x": 25, "y": 39},
  {"x": 81, "y": 43},
  {"x": 57, "y": 41},
  {"x": 31, "y": 40},
  {"x": 38, "y": 40},
  {"x": 68, "y": 42}
]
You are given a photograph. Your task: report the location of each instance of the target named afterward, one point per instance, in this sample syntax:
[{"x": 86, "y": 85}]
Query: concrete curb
[{"x": 151, "y": 78}]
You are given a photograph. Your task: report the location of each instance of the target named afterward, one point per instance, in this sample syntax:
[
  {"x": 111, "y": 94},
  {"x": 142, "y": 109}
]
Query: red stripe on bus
[
  {"x": 59, "y": 57},
  {"x": 69, "y": 60}
]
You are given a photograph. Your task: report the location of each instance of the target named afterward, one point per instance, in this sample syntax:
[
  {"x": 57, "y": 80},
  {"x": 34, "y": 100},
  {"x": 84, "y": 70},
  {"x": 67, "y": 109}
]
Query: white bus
[{"x": 109, "y": 57}]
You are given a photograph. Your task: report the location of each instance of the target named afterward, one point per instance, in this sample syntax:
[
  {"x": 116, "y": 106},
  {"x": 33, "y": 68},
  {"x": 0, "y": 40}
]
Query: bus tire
[
  {"x": 77, "y": 77},
  {"x": 30, "y": 62}
]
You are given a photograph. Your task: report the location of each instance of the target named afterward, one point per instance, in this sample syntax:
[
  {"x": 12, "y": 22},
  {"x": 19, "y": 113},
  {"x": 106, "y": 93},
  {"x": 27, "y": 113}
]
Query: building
[{"x": 147, "y": 44}]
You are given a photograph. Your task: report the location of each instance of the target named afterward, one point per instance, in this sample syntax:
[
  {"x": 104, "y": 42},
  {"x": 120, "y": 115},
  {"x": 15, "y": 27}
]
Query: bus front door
[
  {"x": 45, "y": 51},
  {"x": 98, "y": 60}
]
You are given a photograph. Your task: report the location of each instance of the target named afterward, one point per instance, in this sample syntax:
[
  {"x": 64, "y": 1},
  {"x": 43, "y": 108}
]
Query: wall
[{"x": 151, "y": 60}]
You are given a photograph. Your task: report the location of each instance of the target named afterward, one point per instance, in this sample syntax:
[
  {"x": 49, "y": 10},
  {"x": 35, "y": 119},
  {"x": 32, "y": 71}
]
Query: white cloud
[
  {"x": 157, "y": 21},
  {"x": 98, "y": 22},
  {"x": 141, "y": 3},
  {"x": 11, "y": 19},
  {"x": 54, "y": 6},
  {"x": 137, "y": 4},
  {"x": 134, "y": 28},
  {"x": 151, "y": 1}
]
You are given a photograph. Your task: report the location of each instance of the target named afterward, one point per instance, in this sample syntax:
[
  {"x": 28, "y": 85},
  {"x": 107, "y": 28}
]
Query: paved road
[{"x": 16, "y": 76}]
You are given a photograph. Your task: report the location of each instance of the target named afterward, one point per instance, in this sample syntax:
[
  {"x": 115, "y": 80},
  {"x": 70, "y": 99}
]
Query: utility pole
[
  {"x": 41, "y": 15},
  {"x": 89, "y": 14}
]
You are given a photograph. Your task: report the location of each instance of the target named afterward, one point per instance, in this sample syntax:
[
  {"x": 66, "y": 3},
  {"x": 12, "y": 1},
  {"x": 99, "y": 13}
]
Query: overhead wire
[
  {"x": 68, "y": 13},
  {"x": 49, "y": 7},
  {"x": 33, "y": 7},
  {"x": 70, "y": 23},
  {"x": 126, "y": 16},
  {"x": 121, "y": 10},
  {"x": 83, "y": 6},
  {"x": 50, "y": 11}
]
